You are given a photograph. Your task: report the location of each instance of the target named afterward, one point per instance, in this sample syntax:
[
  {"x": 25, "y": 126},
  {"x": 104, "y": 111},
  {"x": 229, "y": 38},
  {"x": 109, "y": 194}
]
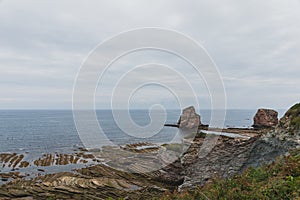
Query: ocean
[{"x": 50, "y": 131}]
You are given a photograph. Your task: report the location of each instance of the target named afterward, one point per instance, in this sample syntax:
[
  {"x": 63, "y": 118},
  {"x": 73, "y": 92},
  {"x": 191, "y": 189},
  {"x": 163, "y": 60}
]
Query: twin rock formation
[
  {"x": 228, "y": 157},
  {"x": 264, "y": 118},
  {"x": 232, "y": 156}
]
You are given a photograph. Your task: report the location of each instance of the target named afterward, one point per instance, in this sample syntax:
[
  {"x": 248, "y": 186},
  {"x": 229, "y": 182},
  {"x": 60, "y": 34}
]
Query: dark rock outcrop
[
  {"x": 189, "y": 119},
  {"x": 279, "y": 141},
  {"x": 265, "y": 118},
  {"x": 227, "y": 157}
]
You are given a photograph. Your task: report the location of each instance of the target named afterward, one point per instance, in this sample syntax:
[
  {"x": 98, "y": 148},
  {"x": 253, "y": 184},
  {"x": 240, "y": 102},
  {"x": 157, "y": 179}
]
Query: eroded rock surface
[
  {"x": 189, "y": 119},
  {"x": 63, "y": 159},
  {"x": 12, "y": 160},
  {"x": 265, "y": 118},
  {"x": 227, "y": 157},
  {"x": 97, "y": 182}
]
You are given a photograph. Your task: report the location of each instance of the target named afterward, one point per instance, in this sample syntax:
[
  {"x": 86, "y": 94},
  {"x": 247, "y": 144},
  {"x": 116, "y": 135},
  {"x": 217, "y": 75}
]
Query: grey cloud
[{"x": 255, "y": 44}]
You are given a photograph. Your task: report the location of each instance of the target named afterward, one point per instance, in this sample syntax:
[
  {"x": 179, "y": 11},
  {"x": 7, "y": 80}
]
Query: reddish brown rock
[{"x": 265, "y": 118}]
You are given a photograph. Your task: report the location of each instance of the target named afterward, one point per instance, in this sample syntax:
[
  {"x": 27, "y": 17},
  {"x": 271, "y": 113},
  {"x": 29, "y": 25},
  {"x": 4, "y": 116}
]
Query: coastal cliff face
[
  {"x": 231, "y": 156},
  {"x": 265, "y": 118},
  {"x": 279, "y": 141},
  {"x": 228, "y": 157}
]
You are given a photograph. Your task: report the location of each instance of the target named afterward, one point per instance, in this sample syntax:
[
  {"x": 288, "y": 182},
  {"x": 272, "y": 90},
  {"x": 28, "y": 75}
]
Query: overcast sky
[{"x": 255, "y": 45}]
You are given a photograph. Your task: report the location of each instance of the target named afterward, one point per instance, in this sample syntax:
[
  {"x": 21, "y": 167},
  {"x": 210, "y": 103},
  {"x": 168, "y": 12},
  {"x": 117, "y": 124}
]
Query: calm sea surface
[{"x": 49, "y": 131}]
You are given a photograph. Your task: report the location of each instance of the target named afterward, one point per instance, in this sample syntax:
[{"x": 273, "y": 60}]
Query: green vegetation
[
  {"x": 201, "y": 135},
  {"x": 296, "y": 122},
  {"x": 294, "y": 115},
  {"x": 280, "y": 180},
  {"x": 296, "y": 107}
]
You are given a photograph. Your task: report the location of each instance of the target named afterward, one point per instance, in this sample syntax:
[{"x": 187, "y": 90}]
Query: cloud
[{"x": 255, "y": 44}]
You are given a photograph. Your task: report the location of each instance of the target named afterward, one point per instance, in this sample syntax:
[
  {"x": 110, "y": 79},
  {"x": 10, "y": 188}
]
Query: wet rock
[
  {"x": 142, "y": 147},
  {"x": 24, "y": 164},
  {"x": 97, "y": 182},
  {"x": 227, "y": 157},
  {"x": 11, "y": 160},
  {"x": 265, "y": 118},
  {"x": 11, "y": 175},
  {"x": 189, "y": 119},
  {"x": 63, "y": 159}
]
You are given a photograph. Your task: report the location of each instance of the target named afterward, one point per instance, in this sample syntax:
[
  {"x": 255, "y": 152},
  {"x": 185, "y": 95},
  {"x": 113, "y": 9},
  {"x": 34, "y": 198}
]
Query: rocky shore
[{"x": 114, "y": 172}]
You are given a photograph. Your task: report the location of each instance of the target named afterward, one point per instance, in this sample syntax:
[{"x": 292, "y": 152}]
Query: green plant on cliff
[
  {"x": 280, "y": 180},
  {"x": 296, "y": 107},
  {"x": 294, "y": 114}
]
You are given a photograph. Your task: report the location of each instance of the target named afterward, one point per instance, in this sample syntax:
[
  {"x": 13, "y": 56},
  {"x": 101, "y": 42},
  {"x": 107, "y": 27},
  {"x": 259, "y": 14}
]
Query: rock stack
[
  {"x": 189, "y": 119},
  {"x": 265, "y": 118}
]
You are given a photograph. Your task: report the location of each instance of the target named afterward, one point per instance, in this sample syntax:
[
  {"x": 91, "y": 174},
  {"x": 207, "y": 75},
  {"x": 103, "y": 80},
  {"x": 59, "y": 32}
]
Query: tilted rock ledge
[{"x": 229, "y": 156}]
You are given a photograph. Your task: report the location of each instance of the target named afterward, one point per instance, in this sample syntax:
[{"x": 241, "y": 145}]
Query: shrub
[{"x": 279, "y": 180}]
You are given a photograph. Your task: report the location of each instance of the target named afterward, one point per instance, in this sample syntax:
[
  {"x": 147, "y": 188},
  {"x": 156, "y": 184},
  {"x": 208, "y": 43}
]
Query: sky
[{"x": 254, "y": 44}]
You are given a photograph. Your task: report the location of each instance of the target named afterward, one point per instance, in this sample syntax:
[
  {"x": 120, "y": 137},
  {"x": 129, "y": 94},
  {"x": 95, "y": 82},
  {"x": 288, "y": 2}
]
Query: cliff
[
  {"x": 228, "y": 158},
  {"x": 231, "y": 157}
]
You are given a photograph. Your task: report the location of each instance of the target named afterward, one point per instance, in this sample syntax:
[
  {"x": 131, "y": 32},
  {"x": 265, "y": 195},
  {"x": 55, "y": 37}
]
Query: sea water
[{"x": 50, "y": 131}]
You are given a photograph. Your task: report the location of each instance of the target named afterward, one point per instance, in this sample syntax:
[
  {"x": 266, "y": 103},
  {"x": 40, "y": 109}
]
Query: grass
[
  {"x": 201, "y": 135},
  {"x": 296, "y": 107},
  {"x": 280, "y": 180},
  {"x": 296, "y": 122},
  {"x": 294, "y": 115}
]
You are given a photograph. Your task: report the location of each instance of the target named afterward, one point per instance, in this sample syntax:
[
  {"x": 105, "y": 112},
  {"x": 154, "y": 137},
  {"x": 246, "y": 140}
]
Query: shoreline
[
  {"x": 16, "y": 165},
  {"x": 102, "y": 180},
  {"x": 147, "y": 171}
]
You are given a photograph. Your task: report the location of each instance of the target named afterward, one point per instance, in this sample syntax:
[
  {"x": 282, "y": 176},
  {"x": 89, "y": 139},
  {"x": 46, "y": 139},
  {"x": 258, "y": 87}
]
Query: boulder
[
  {"x": 189, "y": 119},
  {"x": 265, "y": 118}
]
